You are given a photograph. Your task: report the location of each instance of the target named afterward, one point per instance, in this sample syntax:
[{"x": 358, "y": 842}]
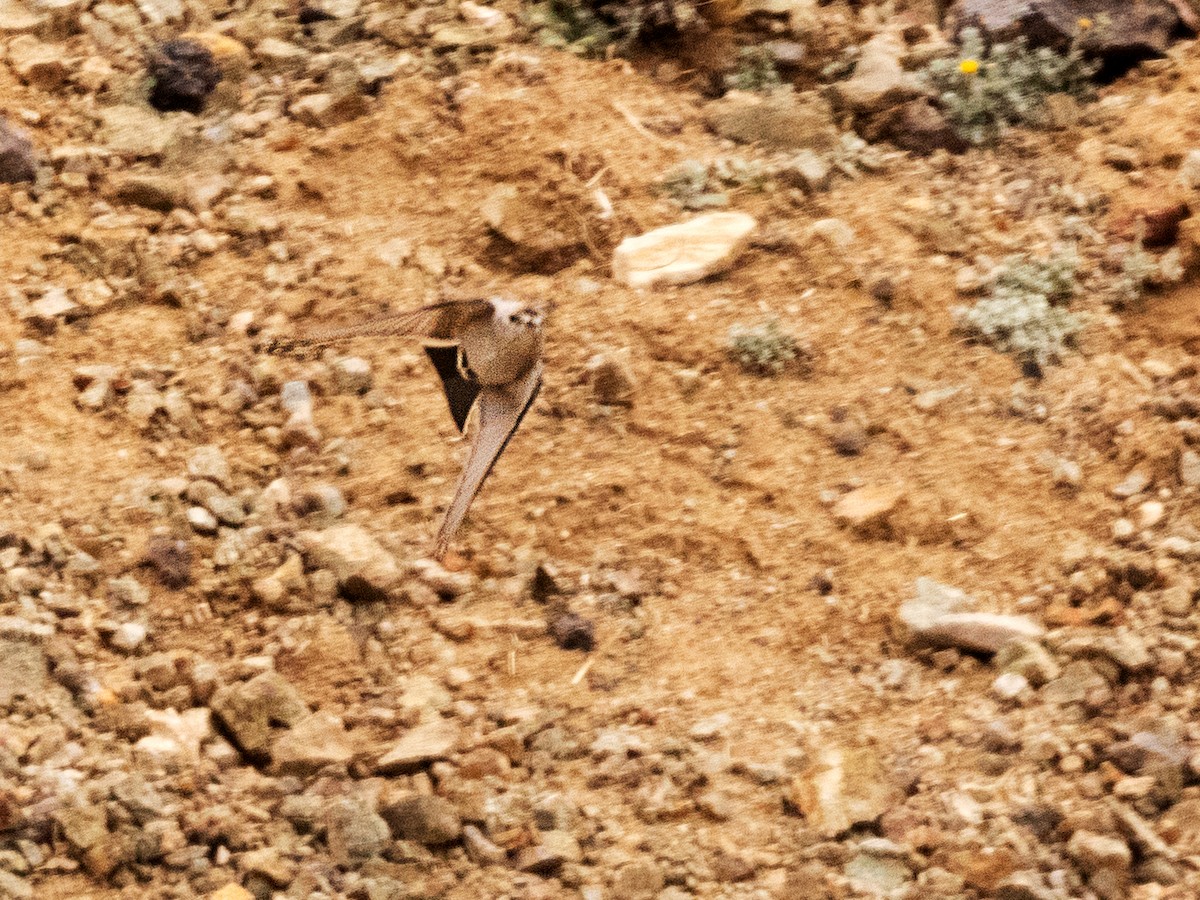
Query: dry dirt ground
[{"x": 694, "y": 526}]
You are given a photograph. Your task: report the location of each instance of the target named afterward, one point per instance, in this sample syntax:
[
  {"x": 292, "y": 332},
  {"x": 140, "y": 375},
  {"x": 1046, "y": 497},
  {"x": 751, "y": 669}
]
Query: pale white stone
[{"x": 683, "y": 253}]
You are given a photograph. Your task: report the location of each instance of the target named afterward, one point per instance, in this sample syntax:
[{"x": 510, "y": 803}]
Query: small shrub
[
  {"x": 591, "y": 27},
  {"x": 1137, "y": 268},
  {"x": 984, "y": 92},
  {"x": 570, "y": 26},
  {"x": 762, "y": 349},
  {"x": 756, "y": 71},
  {"x": 697, "y": 185},
  {"x": 1026, "y": 312}
]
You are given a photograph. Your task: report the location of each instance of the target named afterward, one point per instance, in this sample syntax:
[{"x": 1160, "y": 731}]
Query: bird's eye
[{"x": 514, "y": 318}]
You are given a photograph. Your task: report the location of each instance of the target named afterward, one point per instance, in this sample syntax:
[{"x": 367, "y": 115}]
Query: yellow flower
[
  {"x": 969, "y": 66},
  {"x": 1084, "y": 24}
]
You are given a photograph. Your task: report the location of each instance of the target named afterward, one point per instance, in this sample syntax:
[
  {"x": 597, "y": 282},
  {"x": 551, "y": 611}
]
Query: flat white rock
[{"x": 683, "y": 253}]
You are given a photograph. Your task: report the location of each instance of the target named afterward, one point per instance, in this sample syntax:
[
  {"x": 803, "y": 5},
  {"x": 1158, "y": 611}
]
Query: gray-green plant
[
  {"x": 984, "y": 91},
  {"x": 1138, "y": 269},
  {"x": 569, "y": 25},
  {"x": 1026, "y": 312},
  {"x": 764, "y": 349},
  {"x": 696, "y": 185},
  {"x": 756, "y": 71},
  {"x": 591, "y": 27}
]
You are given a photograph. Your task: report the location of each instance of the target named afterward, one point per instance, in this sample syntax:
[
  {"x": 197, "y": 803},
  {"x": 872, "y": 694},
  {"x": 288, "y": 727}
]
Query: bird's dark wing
[
  {"x": 460, "y": 391},
  {"x": 501, "y": 409},
  {"x": 441, "y": 321}
]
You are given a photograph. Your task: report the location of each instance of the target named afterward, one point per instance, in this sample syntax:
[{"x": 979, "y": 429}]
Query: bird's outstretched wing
[
  {"x": 461, "y": 390},
  {"x": 501, "y": 409},
  {"x": 441, "y": 321}
]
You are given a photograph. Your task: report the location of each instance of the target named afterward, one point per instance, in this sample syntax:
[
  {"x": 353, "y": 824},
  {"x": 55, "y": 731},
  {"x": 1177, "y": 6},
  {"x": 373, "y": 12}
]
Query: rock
[
  {"x": 316, "y": 10},
  {"x": 1189, "y": 170},
  {"x": 269, "y": 865},
  {"x": 977, "y": 631},
  {"x": 426, "y": 819},
  {"x": 805, "y": 170},
  {"x": 533, "y": 227},
  {"x": 782, "y": 120},
  {"x": 37, "y": 64},
  {"x": 1130, "y": 31},
  {"x": 482, "y": 851},
  {"x": 275, "y": 55},
  {"x": 1189, "y": 468},
  {"x": 22, "y": 668},
  {"x": 1024, "y": 886},
  {"x": 298, "y": 430},
  {"x": 879, "y": 81},
  {"x": 231, "y": 56},
  {"x": 868, "y": 510},
  {"x": 1133, "y": 484},
  {"x": 231, "y": 892},
  {"x": 1097, "y": 852},
  {"x": 554, "y": 848},
  {"x": 45, "y": 313},
  {"x": 228, "y": 510},
  {"x": 848, "y": 437},
  {"x": 1121, "y": 646},
  {"x": 322, "y": 502},
  {"x": 14, "y": 886},
  {"x": 17, "y": 161},
  {"x": 933, "y": 617},
  {"x": 314, "y": 742},
  {"x": 835, "y": 232},
  {"x": 452, "y": 37},
  {"x": 277, "y": 590},
  {"x": 710, "y": 728},
  {"x": 363, "y": 568},
  {"x": 1078, "y": 682},
  {"x": 1010, "y": 686},
  {"x": 201, "y": 520},
  {"x": 352, "y": 375},
  {"x": 183, "y": 74},
  {"x": 641, "y": 879},
  {"x": 984, "y": 869},
  {"x": 171, "y": 560},
  {"x": 422, "y": 744},
  {"x": 209, "y": 464},
  {"x": 917, "y": 126},
  {"x": 355, "y": 832},
  {"x": 877, "y": 875},
  {"x": 844, "y": 788},
  {"x": 1029, "y": 659},
  {"x": 253, "y": 711},
  {"x": 573, "y": 632},
  {"x": 612, "y": 379},
  {"x": 128, "y": 637},
  {"x": 174, "y": 737},
  {"x": 683, "y": 253},
  {"x": 84, "y": 825},
  {"x": 17, "y": 17},
  {"x": 1157, "y": 226},
  {"x": 158, "y": 192},
  {"x": 327, "y": 110}
]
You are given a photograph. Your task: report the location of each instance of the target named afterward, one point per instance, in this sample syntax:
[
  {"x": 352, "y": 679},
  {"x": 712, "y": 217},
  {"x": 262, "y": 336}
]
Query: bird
[{"x": 488, "y": 355}]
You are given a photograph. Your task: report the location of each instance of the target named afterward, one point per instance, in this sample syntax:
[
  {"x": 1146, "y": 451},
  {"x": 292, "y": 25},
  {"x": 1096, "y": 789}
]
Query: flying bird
[{"x": 488, "y": 354}]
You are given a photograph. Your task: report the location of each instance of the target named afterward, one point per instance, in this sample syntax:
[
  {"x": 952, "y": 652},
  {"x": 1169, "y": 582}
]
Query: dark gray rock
[
  {"x": 184, "y": 73},
  {"x": 17, "y": 162},
  {"x": 1121, "y": 32}
]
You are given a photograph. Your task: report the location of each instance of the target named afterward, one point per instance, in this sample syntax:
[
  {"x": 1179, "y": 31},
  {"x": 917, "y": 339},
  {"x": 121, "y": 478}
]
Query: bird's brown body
[{"x": 488, "y": 354}]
